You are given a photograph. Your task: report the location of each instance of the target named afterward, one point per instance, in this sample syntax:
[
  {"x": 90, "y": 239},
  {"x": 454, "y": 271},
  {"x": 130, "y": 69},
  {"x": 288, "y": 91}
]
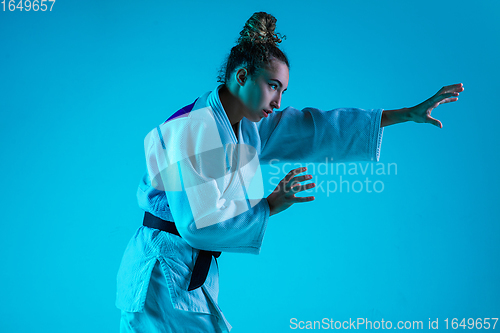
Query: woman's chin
[{"x": 255, "y": 118}]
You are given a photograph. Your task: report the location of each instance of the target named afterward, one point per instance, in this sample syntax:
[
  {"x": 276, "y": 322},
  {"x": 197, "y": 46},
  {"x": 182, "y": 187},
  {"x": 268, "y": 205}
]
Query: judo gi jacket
[{"x": 206, "y": 179}]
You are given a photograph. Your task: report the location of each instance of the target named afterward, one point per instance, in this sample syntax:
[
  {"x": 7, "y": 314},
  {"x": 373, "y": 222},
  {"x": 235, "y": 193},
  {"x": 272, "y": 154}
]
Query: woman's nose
[{"x": 277, "y": 102}]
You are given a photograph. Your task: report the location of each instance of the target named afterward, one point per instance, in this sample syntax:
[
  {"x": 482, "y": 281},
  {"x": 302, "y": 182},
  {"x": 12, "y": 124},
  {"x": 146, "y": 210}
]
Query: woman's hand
[
  {"x": 284, "y": 194},
  {"x": 422, "y": 112}
]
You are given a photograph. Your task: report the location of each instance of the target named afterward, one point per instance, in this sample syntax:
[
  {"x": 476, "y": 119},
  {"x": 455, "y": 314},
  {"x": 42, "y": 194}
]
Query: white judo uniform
[{"x": 207, "y": 180}]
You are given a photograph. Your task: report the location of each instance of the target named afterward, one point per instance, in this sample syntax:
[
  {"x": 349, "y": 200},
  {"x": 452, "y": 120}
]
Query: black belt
[{"x": 202, "y": 264}]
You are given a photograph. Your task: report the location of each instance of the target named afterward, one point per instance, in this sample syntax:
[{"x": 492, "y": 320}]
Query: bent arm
[{"x": 209, "y": 199}]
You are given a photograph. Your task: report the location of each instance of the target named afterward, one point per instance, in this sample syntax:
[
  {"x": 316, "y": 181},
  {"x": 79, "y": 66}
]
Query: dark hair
[{"x": 257, "y": 46}]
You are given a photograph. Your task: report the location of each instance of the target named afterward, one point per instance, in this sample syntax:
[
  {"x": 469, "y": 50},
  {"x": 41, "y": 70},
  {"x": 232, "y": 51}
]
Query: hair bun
[{"x": 260, "y": 29}]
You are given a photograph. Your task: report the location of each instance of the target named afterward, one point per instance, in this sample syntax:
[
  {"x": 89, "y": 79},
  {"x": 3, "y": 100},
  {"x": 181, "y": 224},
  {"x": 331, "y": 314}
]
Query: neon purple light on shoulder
[{"x": 182, "y": 112}]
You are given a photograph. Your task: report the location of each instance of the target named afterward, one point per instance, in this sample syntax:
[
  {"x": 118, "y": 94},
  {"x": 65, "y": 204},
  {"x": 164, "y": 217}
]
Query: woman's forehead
[{"x": 276, "y": 70}]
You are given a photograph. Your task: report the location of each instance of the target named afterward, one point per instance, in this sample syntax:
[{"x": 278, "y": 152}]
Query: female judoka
[{"x": 202, "y": 192}]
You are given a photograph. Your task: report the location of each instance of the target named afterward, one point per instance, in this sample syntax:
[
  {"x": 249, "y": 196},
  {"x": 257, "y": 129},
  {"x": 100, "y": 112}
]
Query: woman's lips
[{"x": 267, "y": 112}]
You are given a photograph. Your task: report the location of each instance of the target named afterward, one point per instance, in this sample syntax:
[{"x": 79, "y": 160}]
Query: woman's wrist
[
  {"x": 271, "y": 208},
  {"x": 391, "y": 117}
]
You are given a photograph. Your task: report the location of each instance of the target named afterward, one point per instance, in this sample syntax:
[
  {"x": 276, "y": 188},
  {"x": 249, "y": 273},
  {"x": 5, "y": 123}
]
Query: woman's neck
[{"x": 231, "y": 105}]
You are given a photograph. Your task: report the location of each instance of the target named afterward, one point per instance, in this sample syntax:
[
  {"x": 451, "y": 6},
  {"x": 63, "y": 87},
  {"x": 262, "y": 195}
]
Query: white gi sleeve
[
  {"x": 207, "y": 185},
  {"x": 312, "y": 135}
]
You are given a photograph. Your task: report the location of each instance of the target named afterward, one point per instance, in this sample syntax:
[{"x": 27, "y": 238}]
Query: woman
[{"x": 199, "y": 192}]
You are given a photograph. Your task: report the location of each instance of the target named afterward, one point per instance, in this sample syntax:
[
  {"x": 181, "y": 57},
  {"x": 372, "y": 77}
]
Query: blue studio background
[{"x": 82, "y": 85}]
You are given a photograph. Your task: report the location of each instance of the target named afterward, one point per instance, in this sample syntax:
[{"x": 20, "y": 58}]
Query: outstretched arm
[{"x": 421, "y": 113}]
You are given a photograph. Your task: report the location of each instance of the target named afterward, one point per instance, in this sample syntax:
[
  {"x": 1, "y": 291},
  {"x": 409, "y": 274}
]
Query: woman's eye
[{"x": 273, "y": 86}]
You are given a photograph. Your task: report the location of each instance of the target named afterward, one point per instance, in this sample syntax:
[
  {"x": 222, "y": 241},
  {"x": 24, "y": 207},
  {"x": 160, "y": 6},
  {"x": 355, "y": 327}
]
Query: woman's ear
[{"x": 241, "y": 76}]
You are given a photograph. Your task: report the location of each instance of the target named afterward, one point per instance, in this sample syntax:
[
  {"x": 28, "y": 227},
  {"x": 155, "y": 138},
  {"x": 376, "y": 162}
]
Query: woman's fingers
[
  {"x": 452, "y": 88},
  {"x": 434, "y": 122},
  {"x": 298, "y": 188},
  {"x": 283, "y": 195},
  {"x": 448, "y": 100},
  {"x": 303, "y": 199},
  {"x": 291, "y": 179},
  {"x": 438, "y": 98},
  {"x": 422, "y": 112},
  {"x": 293, "y": 184},
  {"x": 302, "y": 178},
  {"x": 294, "y": 172}
]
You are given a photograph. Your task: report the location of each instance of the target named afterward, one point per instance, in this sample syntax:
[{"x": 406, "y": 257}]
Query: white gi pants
[{"x": 159, "y": 316}]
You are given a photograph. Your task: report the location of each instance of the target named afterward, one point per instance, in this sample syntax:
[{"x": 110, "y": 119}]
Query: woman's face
[{"x": 262, "y": 92}]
